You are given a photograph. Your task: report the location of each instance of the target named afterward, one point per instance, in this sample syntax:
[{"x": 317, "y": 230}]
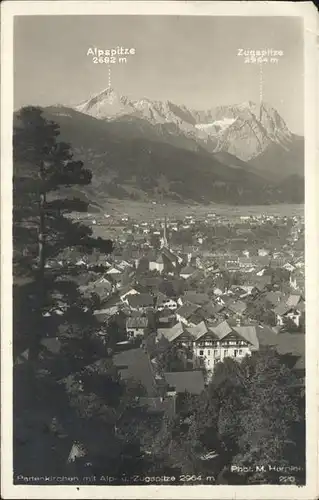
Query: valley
[{"x": 151, "y": 150}]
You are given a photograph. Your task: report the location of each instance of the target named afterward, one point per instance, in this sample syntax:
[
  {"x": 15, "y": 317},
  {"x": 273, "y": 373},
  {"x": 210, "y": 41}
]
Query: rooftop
[
  {"x": 135, "y": 364},
  {"x": 191, "y": 381}
]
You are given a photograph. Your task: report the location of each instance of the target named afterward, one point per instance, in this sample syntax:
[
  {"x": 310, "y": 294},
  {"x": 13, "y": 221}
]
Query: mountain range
[{"x": 147, "y": 149}]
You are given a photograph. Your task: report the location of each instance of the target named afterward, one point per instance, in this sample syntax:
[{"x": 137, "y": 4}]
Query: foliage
[{"x": 250, "y": 413}]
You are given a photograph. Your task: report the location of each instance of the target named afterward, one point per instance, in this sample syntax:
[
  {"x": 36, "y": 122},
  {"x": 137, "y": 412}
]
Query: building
[
  {"x": 136, "y": 326},
  {"x": 185, "y": 313},
  {"x": 187, "y": 271},
  {"x": 127, "y": 292},
  {"x": 140, "y": 302},
  {"x": 157, "y": 264},
  {"x": 181, "y": 382},
  {"x": 164, "y": 302},
  {"x": 211, "y": 344},
  {"x": 224, "y": 341}
]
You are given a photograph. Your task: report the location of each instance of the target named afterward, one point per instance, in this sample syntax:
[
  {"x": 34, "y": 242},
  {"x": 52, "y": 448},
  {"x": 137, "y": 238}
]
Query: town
[{"x": 178, "y": 296}]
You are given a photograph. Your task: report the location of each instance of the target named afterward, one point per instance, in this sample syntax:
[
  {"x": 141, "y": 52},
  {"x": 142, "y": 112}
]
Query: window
[
  {"x": 208, "y": 352},
  {"x": 201, "y": 352},
  {"x": 225, "y": 352},
  {"x": 215, "y": 352},
  {"x": 235, "y": 353},
  {"x": 240, "y": 352}
]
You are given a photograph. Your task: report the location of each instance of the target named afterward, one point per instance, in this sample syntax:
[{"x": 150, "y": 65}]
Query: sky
[{"x": 187, "y": 60}]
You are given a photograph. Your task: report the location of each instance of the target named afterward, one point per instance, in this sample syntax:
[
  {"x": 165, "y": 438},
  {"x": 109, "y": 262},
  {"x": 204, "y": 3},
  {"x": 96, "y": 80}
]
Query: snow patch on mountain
[{"x": 216, "y": 126}]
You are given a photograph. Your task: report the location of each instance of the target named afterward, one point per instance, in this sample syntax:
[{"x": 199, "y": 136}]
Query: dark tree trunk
[{"x": 41, "y": 291}]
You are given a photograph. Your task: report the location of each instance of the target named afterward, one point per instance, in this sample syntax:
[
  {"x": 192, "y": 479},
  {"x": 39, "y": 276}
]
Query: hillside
[
  {"x": 246, "y": 130},
  {"x": 125, "y": 166},
  {"x": 151, "y": 150}
]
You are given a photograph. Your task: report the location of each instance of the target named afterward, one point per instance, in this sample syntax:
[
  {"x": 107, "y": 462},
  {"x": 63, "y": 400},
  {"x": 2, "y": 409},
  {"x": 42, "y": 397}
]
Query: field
[{"x": 143, "y": 210}]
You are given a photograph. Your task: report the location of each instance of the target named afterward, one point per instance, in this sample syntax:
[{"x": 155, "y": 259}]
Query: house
[
  {"x": 113, "y": 270},
  {"x": 159, "y": 405},
  {"x": 262, "y": 252},
  {"x": 172, "y": 261},
  {"x": 140, "y": 302},
  {"x": 157, "y": 265},
  {"x": 135, "y": 364},
  {"x": 293, "y": 300},
  {"x": 103, "y": 288},
  {"x": 223, "y": 341},
  {"x": 244, "y": 263},
  {"x": 199, "y": 299},
  {"x": 166, "y": 318},
  {"x": 289, "y": 267},
  {"x": 184, "y": 313},
  {"x": 123, "y": 264},
  {"x": 188, "y": 381},
  {"x": 80, "y": 262},
  {"x": 163, "y": 302},
  {"x": 116, "y": 280},
  {"x": 246, "y": 290},
  {"x": 126, "y": 292},
  {"x": 274, "y": 298},
  {"x": 297, "y": 280},
  {"x": 171, "y": 334},
  {"x": 103, "y": 315},
  {"x": 210, "y": 312},
  {"x": 261, "y": 283},
  {"x": 237, "y": 307},
  {"x": 286, "y": 312},
  {"x": 187, "y": 271},
  {"x": 136, "y": 326}
]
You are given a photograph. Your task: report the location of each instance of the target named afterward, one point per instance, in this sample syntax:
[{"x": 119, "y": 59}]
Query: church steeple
[{"x": 164, "y": 241}]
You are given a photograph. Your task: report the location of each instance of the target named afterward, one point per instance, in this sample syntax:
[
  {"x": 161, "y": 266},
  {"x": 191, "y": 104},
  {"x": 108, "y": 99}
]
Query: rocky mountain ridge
[{"x": 245, "y": 130}]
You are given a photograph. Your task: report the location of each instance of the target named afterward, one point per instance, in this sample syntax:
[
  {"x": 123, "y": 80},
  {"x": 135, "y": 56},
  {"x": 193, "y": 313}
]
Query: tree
[
  {"x": 271, "y": 413},
  {"x": 172, "y": 359},
  {"x": 41, "y": 166},
  {"x": 251, "y": 413},
  {"x": 54, "y": 328}
]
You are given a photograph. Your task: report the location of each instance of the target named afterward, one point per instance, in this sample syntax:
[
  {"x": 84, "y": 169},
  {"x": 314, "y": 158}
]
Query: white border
[{"x": 306, "y": 10}]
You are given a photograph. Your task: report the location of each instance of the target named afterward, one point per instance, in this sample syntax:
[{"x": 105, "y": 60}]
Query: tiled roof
[
  {"x": 248, "y": 333},
  {"x": 266, "y": 336},
  {"x": 171, "y": 333},
  {"x": 186, "y": 310},
  {"x": 198, "y": 330},
  {"x": 274, "y": 297},
  {"x": 137, "y": 322},
  {"x": 159, "y": 405},
  {"x": 238, "y": 306},
  {"x": 187, "y": 270},
  {"x": 135, "y": 364},
  {"x": 169, "y": 254},
  {"x": 140, "y": 300},
  {"x": 161, "y": 298},
  {"x": 126, "y": 289},
  {"x": 192, "y": 381},
  {"x": 196, "y": 298},
  {"x": 293, "y": 300},
  {"x": 281, "y": 309},
  {"x": 52, "y": 344},
  {"x": 221, "y": 330}
]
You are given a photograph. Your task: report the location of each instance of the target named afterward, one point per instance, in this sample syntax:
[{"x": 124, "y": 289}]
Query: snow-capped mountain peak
[{"x": 244, "y": 130}]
